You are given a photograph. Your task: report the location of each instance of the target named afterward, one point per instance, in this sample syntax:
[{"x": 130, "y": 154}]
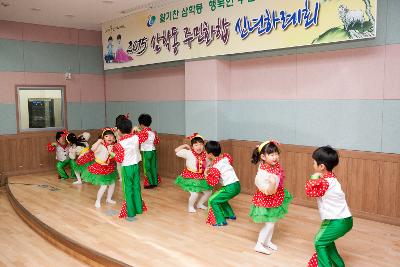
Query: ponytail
[{"x": 255, "y": 157}]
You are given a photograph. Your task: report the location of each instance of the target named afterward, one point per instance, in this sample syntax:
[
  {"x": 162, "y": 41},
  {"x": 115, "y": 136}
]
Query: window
[{"x": 40, "y": 108}]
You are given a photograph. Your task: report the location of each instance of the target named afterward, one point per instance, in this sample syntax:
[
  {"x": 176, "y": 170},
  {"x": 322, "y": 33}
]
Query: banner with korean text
[{"x": 194, "y": 29}]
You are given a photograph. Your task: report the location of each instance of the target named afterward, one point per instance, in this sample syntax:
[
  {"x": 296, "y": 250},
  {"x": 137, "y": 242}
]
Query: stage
[{"x": 167, "y": 235}]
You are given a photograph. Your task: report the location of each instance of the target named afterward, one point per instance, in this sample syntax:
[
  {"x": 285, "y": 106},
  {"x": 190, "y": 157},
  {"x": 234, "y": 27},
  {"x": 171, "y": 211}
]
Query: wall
[
  {"x": 345, "y": 94},
  {"x": 40, "y": 55},
  {"x": 159, "y": 92}
]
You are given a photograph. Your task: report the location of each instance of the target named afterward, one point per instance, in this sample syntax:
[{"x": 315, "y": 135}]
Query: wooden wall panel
[
  {"x": 168, "y": 163},
  {"x": 27, "y": 152}
]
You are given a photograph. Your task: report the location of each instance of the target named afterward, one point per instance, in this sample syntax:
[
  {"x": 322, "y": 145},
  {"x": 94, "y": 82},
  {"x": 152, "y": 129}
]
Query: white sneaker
[
  {"x": 97, "y": 204},
  {"x": 271, "y": 246},
  {"x": 260, "y": 248},
  {"x": 77, "y": 182},
  {"x": 111, "y": 201},
  {"x": 191, "y": 210},
  {"x": 201, "y": 206}
]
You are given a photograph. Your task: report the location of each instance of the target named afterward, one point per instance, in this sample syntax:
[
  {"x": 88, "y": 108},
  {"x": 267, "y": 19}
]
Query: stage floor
[
  {"x": 167, "y": 235},
  {"x": 21, "y": 246}
]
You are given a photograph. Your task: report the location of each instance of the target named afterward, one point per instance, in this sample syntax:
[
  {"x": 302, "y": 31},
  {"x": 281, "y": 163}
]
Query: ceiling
[{"x": 80, "y": 14}]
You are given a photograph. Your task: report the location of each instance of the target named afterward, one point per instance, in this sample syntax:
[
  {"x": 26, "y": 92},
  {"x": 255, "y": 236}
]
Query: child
[
  {"x": 271, "y": 200},
  {"x": 109, "y": 56},
  {"x": 332, "y": 205},
  {"x": 118, "y": 120},
  {"x": 120, "y": 55},
  {"x": 103, "y": 171},
  {"x": 81, "y": 156},
  {"x": 128, "y": 154},
  {"x": 192, "y": 178},
  {"x": 221, "y": 171},
  {"x": 149, "y": 153},
  {"x": 62, "y": 156}
]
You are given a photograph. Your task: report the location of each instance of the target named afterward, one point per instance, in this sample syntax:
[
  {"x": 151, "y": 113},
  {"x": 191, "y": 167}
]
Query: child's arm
[
  {"x": 156, "y": 138},
  {"x": 316, "y": 187},
  {"x": 51, "y": 147},
  {"x": 96, "y": 145},
  {"x": 118, "y": 153},
  {"x": 213, "y": 175},
  {"x": 184, "y": 146}
]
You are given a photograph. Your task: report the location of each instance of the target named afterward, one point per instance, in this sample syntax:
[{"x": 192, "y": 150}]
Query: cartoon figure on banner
[
  {"x": 121, "y": 56},
  {"x": 109, "y": 56}
]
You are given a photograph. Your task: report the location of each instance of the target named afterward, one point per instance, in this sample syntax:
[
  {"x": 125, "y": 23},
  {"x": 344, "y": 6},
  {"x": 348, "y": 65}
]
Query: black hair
[
  {"x": 110, "y": 38},
  {"x": 82, "y": 140},
  {"x": 107, "y": 132},
  {"x": 196, "y": 140},
  {"x": 125, "y": 126},
  {"x": 118, "y": 119},
  {"x": 269, "y": 148},
  {"x": 119, "y": 37},
  {"x": 58, "y": 135},
  {"x": 72, "y": 139},
  {"x": 145, "y": 119},
  {"x": 326, "y": 155},
  {"x": 213, "y": 147}
]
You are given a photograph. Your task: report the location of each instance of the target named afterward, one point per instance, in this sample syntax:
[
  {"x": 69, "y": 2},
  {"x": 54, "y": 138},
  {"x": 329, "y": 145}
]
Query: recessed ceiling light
[
  {"x": 69, "y": 16},
  {"x": 35, "y": 9},
  {"x": 107, "y": 2},
  {"x": 5, "y": 4}
]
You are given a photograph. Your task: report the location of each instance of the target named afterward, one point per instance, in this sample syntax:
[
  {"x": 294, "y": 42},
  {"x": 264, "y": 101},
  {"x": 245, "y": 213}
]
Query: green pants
[
  {"x": 150, "y": 166},
  {"x": 324, "y": 241},
  {"x": 60, "y": 168},
  {"x": 131, "y": 188},
  {"x": 218, "y": 202}
]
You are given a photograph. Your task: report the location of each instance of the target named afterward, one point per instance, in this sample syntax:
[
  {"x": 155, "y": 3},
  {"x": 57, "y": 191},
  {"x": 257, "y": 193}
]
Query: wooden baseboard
[{"x": 69, "y": 246}]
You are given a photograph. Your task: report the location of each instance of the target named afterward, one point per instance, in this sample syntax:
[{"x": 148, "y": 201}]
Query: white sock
[
  {"x": 263, "y": 234},
  {"x": 192, "y": 200},
  {"x": 100, "y": 195},
  {"x": 110, "y": 193},
  {"x": 206, "y": 195},
  {"x": 78, "y": 177},
  {"x": 268, "y": 243}
]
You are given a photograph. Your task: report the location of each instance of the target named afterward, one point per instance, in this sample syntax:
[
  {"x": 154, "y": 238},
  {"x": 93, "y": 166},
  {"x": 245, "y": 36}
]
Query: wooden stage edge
[{"x": 62, "y": 242}]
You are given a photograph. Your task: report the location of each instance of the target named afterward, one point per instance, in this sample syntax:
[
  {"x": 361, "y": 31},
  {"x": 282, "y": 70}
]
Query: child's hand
[
  {"x": 99, "y": 141},
  {"x": 316, "y": 176},
  {"x": 136, "y": 129}
]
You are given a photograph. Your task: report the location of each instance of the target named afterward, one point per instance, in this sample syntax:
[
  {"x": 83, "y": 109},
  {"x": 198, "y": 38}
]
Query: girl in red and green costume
[
  {"x": 271, "y": 200},
  {"x": 103, "y": 172},
  {"x": 192, "y": 178}
]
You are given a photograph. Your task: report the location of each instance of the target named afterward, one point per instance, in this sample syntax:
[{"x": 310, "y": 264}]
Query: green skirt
[
  {"x": 193, "y": 185},
  {"x": 261, "y": 214},
  {"x": 82, "y": 168},
  {"x": 99, "y": 179}
]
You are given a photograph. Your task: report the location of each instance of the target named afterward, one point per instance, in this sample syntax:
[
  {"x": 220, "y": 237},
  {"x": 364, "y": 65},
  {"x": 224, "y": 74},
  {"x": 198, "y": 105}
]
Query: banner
[{"x": 194, "y": 29}]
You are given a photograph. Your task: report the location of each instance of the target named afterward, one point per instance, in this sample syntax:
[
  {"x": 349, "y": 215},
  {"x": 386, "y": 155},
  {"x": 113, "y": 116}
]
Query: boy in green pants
[
  {"x": 128, "y": 154},
  {"x": 222, "y": 171},
  {"x": 149, "y": 153},
  {"x": 332, "y": 205}
]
